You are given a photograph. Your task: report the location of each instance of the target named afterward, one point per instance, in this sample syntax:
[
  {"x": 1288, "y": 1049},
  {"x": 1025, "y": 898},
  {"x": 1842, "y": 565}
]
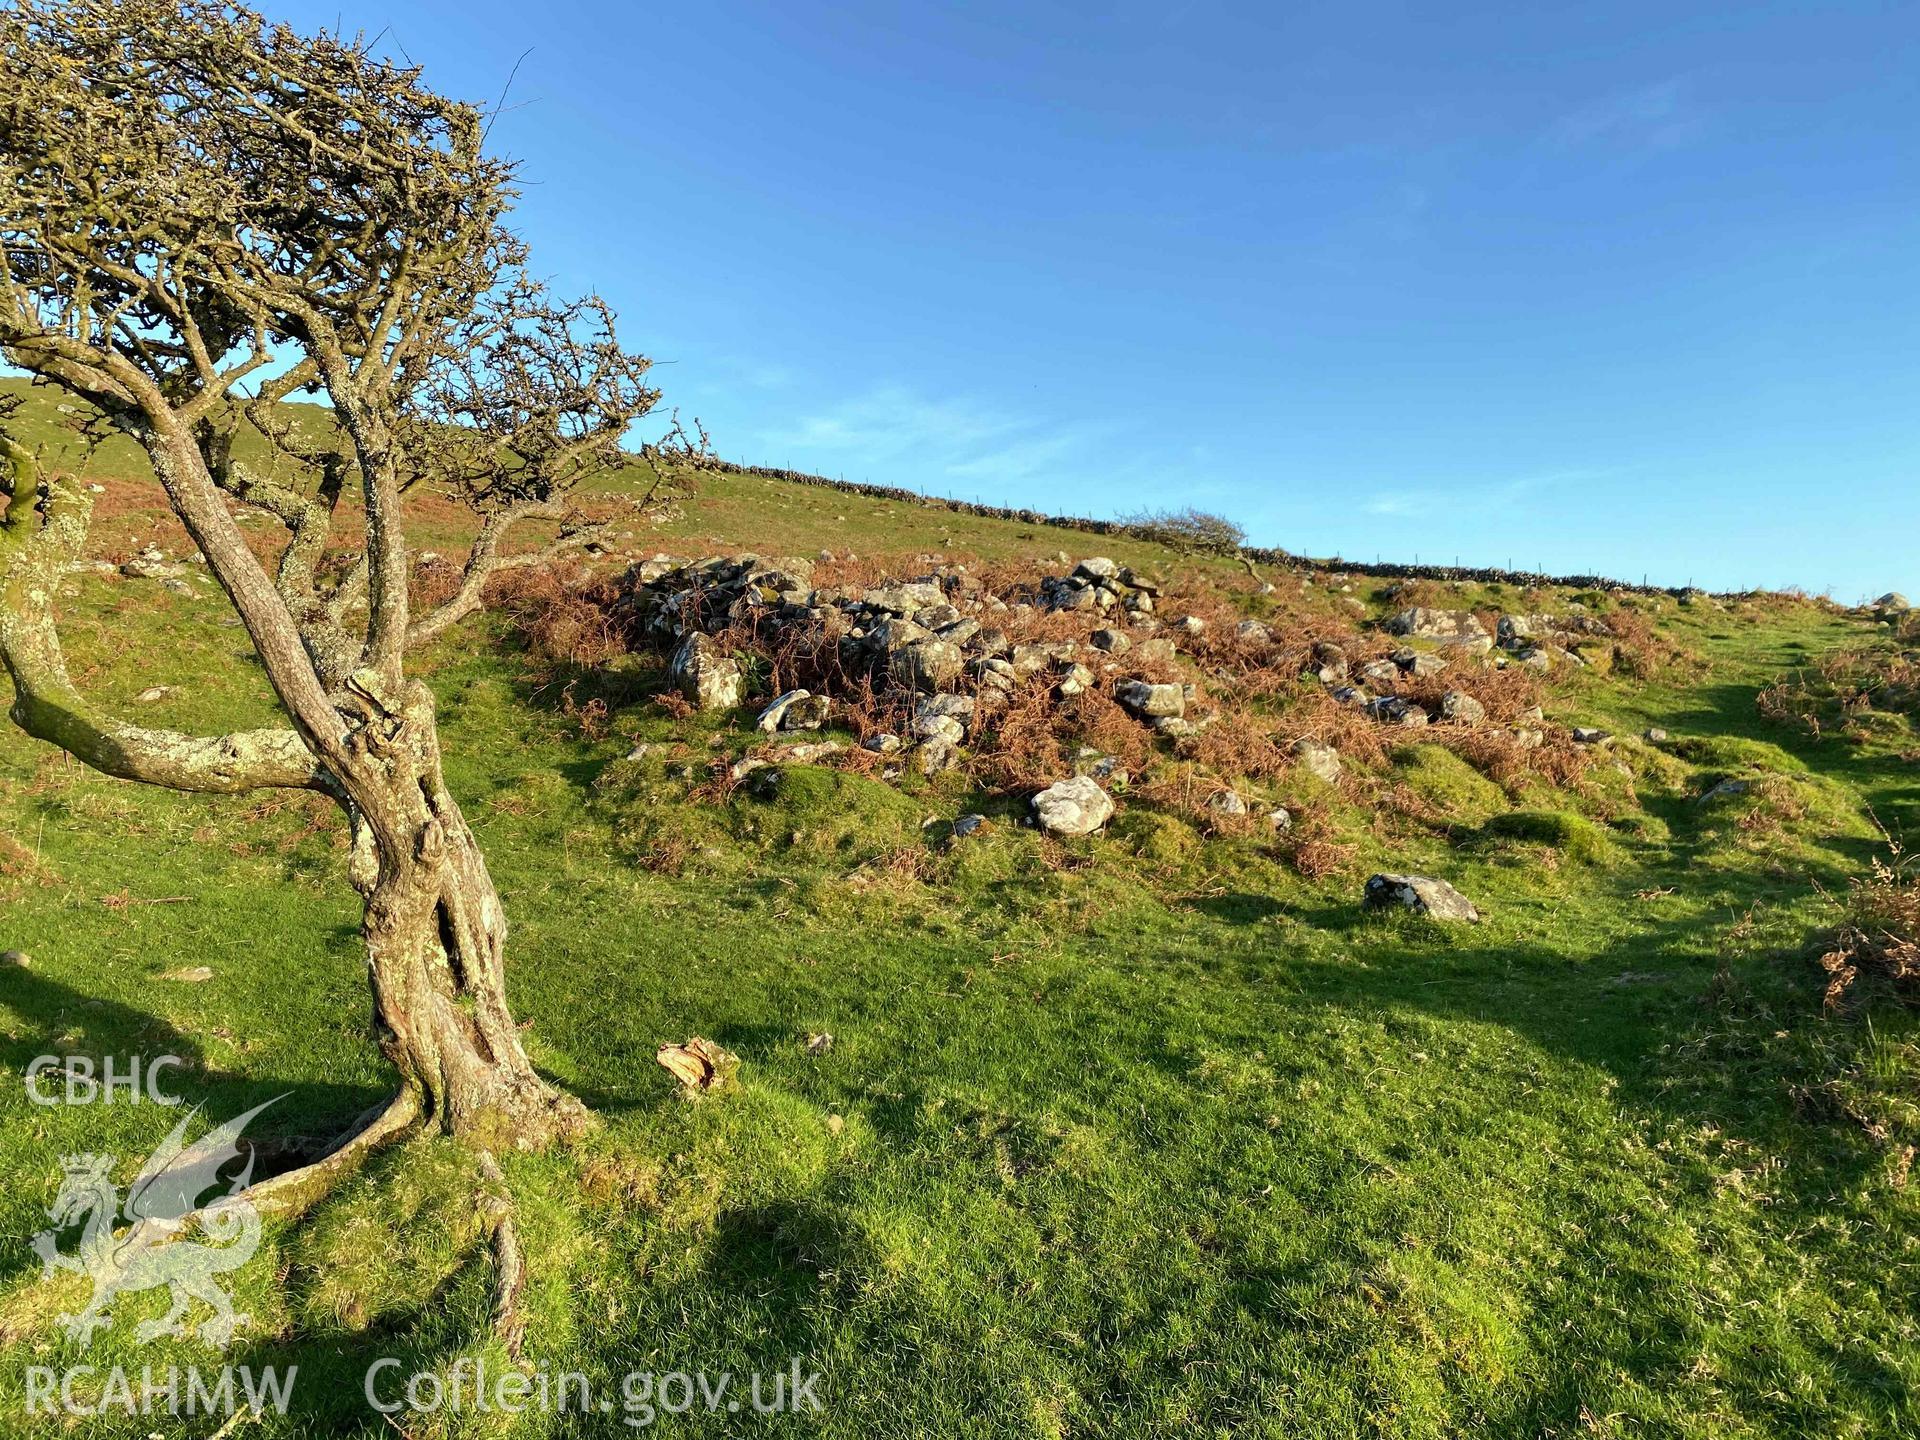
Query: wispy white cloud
[
  {"x": 1649, "y": 117},
  {"x": 895, "y": 429},
  {"x": 1402, "y": 503},
  {"x": 1413, "y": 504}
]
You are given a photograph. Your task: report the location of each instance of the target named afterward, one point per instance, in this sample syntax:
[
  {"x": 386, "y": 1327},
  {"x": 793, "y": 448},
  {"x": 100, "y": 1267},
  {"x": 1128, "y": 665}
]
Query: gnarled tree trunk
[{"x": 436, "y": 934}]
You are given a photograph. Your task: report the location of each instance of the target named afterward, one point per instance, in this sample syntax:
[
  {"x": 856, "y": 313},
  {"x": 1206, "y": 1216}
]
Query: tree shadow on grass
[{"x": 61, "y": 1021}]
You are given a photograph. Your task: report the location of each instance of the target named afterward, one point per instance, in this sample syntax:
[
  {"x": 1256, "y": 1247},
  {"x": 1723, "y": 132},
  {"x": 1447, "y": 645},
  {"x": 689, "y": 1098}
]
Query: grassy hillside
[{"x": 1153, "y": 1132}]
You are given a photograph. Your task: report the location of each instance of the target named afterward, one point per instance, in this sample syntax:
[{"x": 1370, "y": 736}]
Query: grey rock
[
  {"x": 1077, "y": 681},
  {"x": 811, "y": 752},
  {"x": 703, "y": 672},
  {"x": 904, "y": 599},
  {"x": 928, "y": 664},
  {"x": 1103, "y": 768},
  {"x": 152, "y": 566},
  {"x": 967, "y": 825},
  {"x": 1072, "y": 807},
  {"x": 1392, "y": 710},
  {"x": 1096, "y": 568},
  {"x": 1113, "y": 642},
  {"x": 1462, "y": 708},
  {"x": 1227, "y": 802},
  {"x": 936, "y": 755},
  {"x": 1280, "y": 819},
  {"x": 773, "y": 717},
  {"x": 1460, "y": 628},
  {"x": 1150, "y": 701},
  {"x": 1421, "y": 894},
  {"x": 1318, "y": 758},
  {"x": 943, "y": 718},
  {"x": 897, "y": 634},
  {"x": 881, "y": 744},
  {"x": 1726, "y": 790},
  {"x": 807, "y": 714},
  {"x": 1590, "y": 735}
]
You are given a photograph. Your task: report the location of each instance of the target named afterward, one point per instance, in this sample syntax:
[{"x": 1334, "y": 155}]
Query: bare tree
[{"x": 202, "y": 216}]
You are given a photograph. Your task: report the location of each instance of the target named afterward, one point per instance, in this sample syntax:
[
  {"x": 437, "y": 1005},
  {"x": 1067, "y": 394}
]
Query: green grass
[{"x": 1147, "y": 1136}]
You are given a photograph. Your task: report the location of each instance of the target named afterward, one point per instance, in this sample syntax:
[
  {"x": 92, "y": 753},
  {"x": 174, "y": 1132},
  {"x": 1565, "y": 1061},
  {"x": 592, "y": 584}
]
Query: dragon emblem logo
[{"x": 162, "y": 1205}]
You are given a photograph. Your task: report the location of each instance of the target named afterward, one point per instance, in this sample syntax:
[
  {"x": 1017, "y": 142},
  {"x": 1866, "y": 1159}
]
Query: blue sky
[{"x": 1624, "y": 287}]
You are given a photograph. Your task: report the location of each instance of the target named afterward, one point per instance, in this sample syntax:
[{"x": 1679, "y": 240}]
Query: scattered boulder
[
  {"x": 1280, "y": 819},
  {"x": 904, "y": 599},
  {"x": 881, "y": 744},
  {"x": 1320, "y": 759},
  {"x": 1457, "y": 628},
  {"x": 152, "y": 565},
  {"x": 967, "y": 824},
  {"x": 1077, "y": 681},
  {"x": 1892, "y": 603},
  {"x": 1103, "y": 768},
  {"x": 1072, "y": 807},
  {"x": 1421, "y": 894},
  {"x": 1590, "y": 735},
  {"x": 1150, "y": 701},
  {"x": 19, "y": 958},
  {"x": 1329, "y": 662},
  {"x": 1227, "y": 802},
  {"x": 928, "y": 664},
  {"x": 1392, "y": 710},
  {"x": 774, "y": 717},
  {"x": 1462, "y": 708},
  {"x": 703, "y": 672}
]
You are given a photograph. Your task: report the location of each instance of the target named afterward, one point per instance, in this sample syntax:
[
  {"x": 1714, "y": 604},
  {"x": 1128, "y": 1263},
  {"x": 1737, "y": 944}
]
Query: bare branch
[{"x": 44, "y": 525}]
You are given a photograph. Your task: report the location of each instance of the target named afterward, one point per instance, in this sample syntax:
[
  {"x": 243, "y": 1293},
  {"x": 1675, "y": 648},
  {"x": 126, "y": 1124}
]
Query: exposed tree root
[
  {"x": 292, "y": 1191},
  {"x": 509, "y": 1266}
]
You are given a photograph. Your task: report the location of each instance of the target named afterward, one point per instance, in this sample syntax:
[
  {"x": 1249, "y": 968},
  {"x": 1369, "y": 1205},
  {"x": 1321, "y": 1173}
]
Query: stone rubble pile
[{"x": 938, "y": 644}]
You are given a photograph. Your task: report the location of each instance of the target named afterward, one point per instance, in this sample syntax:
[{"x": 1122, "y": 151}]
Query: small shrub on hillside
[
  {"x": 1846, "y": 692},
  {"x": 561, "y": 613},
  {"x": 1880, "y": 940},
  {"x": 1191, "y": 530}
]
